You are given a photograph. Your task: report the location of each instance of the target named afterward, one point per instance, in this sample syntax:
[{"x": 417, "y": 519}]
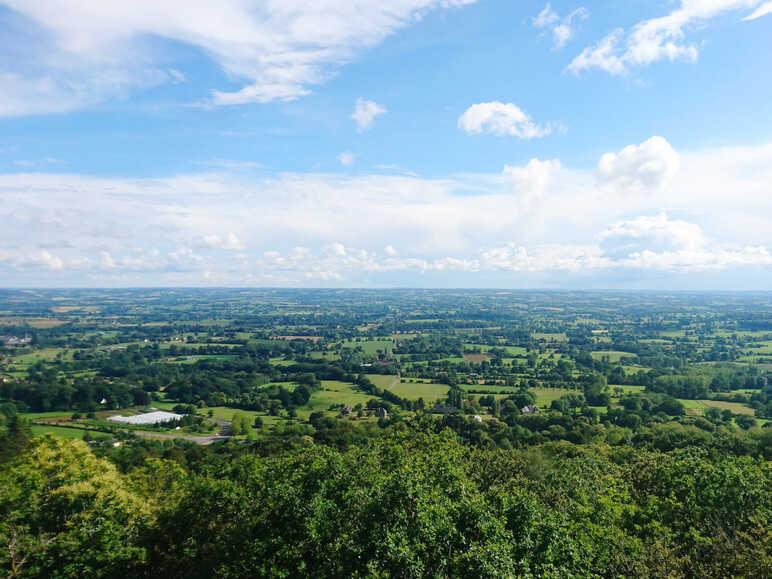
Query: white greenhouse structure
[{"x": 157, "y": 417}]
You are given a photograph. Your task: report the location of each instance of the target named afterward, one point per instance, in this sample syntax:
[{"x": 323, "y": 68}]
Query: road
[{"x": 224, "y": 434}]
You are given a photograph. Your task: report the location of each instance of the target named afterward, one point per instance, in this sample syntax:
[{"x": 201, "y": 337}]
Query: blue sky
[{"x": 395, "y": 143}]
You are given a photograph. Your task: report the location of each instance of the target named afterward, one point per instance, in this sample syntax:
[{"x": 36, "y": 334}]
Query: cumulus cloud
[
  {"x": 657, "y": 234},
  {"x": 647, "y": 166},
  {"x": 656, "y": 39},
  {"x": 533, "y": 179},
  {"x": 265, "y": 231},
  {"x": 347, "y": 158},
  {"x": 501, "y": 119},
  {"x": 365, "y": 112},
  {"x": 658, "y": 242},
  {"x": 700, "y": 260},
  {"x": 562, "y": 30},
  {"x": 80, "y": 53}
]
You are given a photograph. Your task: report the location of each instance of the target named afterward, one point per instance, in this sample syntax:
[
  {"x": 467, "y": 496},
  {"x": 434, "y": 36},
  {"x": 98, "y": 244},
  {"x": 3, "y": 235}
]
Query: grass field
[
  {"x": 39, "y": 430},
  {"x": 561, "y": 337},
  {"x": 612, "y": 355},
  {"x": 413, "y": 391},
  {"x": 381, "y": 380},
  {"x": 512, "y": 351},
  {"x": 280, "y": 361},
  {"x": 734, "y": 407},
  {"x": 476, "y": 358},
  {"x": 545, "y": 396},
  {"x": 41, "y": 323},
  {"x": 45, "y": 415},
  {"x": 45, "y": 354},
  {"x": 334, "y": 392},
  {"x": 371, "y": 347},
  {"x": 329, "y": 355},
  {"x": 698, "y": 407}
]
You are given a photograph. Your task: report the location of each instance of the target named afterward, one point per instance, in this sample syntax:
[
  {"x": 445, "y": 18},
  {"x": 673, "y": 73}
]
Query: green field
[
  {"x": 512, "y": 351},
  {"x": 43, "y": 415},
  {"x": 383, "y": 381},
  {"x": 370, "y": 347},
  {"x": 545, "y": 396},
  {"x": 550, "y": 337},
  {"x": 39, "y": 430},
  {"x": 612, "y": 355},
  {"x": 334, "y": 392},
  {"x": 698, "y": 407},
  {"x": 413, "y": 391}
]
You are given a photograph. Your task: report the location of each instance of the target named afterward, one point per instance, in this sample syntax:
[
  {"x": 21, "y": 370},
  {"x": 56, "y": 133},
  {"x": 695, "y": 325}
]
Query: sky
[{"x": 389, "y": 143}]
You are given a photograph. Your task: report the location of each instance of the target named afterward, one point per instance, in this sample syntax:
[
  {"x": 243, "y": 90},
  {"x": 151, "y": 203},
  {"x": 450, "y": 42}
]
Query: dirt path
[{"x": 394, "y": 382}]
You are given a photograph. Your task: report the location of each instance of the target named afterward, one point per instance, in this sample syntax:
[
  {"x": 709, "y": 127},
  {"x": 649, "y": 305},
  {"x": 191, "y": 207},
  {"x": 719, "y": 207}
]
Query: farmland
[{"x": 287, "y": 358}]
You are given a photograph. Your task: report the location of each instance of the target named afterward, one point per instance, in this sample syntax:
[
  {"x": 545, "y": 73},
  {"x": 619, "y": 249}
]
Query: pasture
[
  {"x": 62, "y": 432},
  {"x": 428, "y": 391},
  {"x": 370, "y": 347},
  {"x": 612, "y": 356}
]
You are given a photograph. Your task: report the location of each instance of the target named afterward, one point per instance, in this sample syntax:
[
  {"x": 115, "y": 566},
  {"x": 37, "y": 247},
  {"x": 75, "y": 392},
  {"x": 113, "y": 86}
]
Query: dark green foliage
[{"x": 405, "y": 504}]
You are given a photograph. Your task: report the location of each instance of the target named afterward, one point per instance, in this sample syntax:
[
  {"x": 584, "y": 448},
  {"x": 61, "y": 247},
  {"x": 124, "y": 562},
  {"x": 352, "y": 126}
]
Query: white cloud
[
  {"x": 658, "y": 233},
  {"x": 662, "y": 243},
  {"x": 338, "y": 249},
  {"x": 365, "y": 112},
  {"x": 347, "y": 158},
  {"x": 647, "y": 166},
  {"x": 228, "y": 243},
  {"x": 762, "y": 10},
  {"x": 539, "y": 217},
  {"x": 701, "y": 260},
  {"x": 546, "y": 17},
  {"x": 656, "y": 39},
  {"x": 78, "y": 54},
  {"x": 47, "y": 259},
  {"x": 21, "y": 260},
  {"x": 500, "y": 119},
  {"x": 562, "y": 30},
  {"x": 534, "y": 178}
]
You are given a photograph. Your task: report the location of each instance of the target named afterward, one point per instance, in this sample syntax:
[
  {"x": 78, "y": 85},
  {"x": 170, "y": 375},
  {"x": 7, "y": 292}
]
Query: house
[
  {"x": 380, "y": 412},
  {"x": 530, "y": 409},
  {"x": 346, "y": 411},
  {"x": 477, "y": 418},
  {"x": 440, "y": 409}
]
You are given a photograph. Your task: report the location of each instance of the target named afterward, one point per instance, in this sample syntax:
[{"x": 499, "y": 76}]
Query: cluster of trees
[{"x": 407, "y": 503}]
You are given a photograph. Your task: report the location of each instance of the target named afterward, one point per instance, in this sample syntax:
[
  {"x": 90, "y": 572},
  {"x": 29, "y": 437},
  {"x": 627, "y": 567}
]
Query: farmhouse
[
  {"x": 158, "y": 417},
  {"x": 530, "y": 409}
]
